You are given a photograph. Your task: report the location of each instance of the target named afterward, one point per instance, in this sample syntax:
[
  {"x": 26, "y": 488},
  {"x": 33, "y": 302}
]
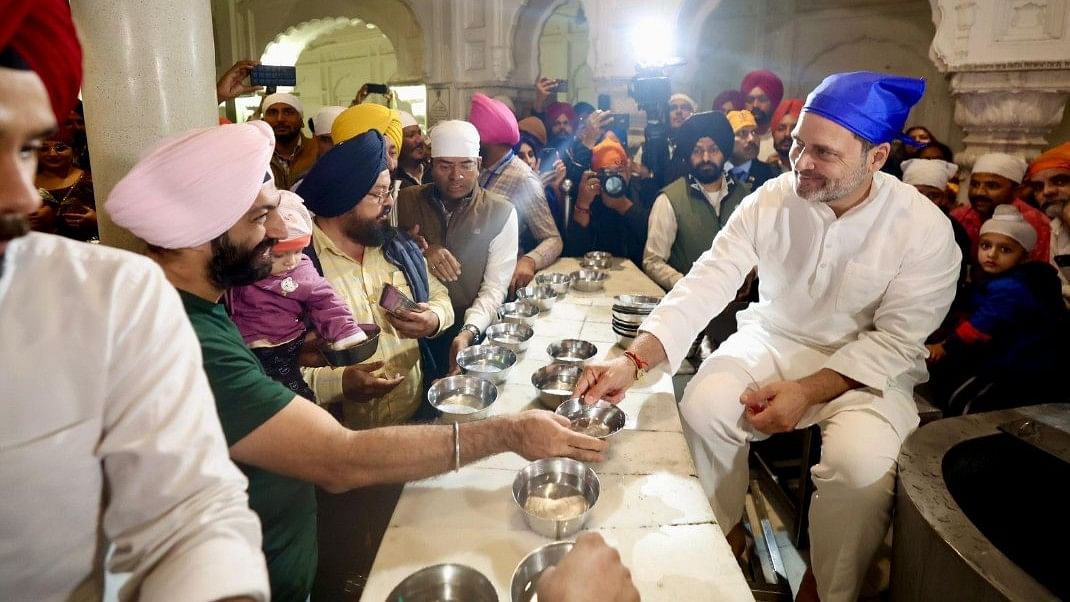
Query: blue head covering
[
  {"x": 873, "y": 105},
  {"x": 344, "y": 175}
]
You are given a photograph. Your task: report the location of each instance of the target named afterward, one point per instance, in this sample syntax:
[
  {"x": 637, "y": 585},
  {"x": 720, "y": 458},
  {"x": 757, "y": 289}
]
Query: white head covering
[
  {"x": 284, "y": 98},
  {"x": 324, "y": 119},
  {"x": 454, "y": 138},
  {"x": 407, "y": 120},
  {"x": 1009, "y": 166},
  {"x": 1007, "y": 220},
  {"x": 928, "y": 172},
  {"x": 293, "y": 212},
  {"x": 682, "y": 96}
]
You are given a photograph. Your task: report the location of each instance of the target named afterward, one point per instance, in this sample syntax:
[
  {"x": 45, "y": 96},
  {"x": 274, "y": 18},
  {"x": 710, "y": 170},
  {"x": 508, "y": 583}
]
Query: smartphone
[
  {"x": 619, "y": 125},
  {"x": 603, "y": 102},
  {"x": 273, "y": 76},
  {"x": 378, "y": 89},
  {"x": 392, "y": 299},
  {"x": 547, "y": 157},
  {"x": 562, "y": 85}
]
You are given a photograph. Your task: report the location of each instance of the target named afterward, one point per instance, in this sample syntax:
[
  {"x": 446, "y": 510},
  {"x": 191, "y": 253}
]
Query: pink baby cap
[
  {"x": 494, "y": 121},
  {"x": 192, "y": 187},
  {"x": 298, "y": 223}
]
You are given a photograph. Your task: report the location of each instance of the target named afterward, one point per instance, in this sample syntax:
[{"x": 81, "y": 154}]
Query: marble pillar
[
  {"x": 149, "y": 73},
  {"x": 1009, "y": 64}
]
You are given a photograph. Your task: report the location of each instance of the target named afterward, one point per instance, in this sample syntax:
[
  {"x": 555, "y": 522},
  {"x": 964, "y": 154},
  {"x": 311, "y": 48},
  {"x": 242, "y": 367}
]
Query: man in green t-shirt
[{"x": 201, "y": 202}]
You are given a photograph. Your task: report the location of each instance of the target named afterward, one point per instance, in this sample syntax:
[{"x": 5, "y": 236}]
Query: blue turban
[
  {"x": 344, "y": 175},
  {"x": 873, "y": 105}
]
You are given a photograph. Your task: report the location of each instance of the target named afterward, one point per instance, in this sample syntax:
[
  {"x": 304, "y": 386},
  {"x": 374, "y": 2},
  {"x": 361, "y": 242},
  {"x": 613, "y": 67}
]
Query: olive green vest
[
  {"x": 467, "y": 234},
  {"x": 696, "y": 221}
]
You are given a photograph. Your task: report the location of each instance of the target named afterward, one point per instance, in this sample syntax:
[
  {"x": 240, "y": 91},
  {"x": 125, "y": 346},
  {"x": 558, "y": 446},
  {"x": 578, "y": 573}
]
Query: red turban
[
  {"x": 1053, "y": 158},
  {"x": 42, "y": 34},
  {"x": 767, "y": 81},
  {"x": 732, "y": 96},
  {"x": 558, "y": 109},
  {"x": 788, "y": 106}
]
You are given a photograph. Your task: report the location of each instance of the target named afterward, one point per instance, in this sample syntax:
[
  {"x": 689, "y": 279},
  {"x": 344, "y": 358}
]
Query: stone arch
[
  {"x": 304, "y": 21},
  {"x": 526, "y": 31}
]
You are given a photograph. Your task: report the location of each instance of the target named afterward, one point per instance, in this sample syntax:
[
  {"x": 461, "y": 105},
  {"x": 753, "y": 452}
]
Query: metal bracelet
[{"x": 456, "y": 446}]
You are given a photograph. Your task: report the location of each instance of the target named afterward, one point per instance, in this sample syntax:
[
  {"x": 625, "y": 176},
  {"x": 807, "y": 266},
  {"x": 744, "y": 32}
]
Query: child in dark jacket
[
  {"x": 270, "y": 313},
  {"x": 1004, "y": 350}
]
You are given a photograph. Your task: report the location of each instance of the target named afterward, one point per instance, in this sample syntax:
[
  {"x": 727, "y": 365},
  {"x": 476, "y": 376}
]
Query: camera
[
  {"x": 651, "y": 90},
  {"x": 613, "y": 183}
]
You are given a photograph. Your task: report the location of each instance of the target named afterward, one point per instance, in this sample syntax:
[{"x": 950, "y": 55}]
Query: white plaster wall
[{"x": 334, "y": 66}]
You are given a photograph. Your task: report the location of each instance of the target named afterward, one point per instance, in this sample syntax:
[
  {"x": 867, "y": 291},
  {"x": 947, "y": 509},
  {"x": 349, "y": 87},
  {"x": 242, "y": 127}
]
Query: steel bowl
[
  {"x": 556, "y": 280},
  {"x": 355, "y": 354},
  {"x": 624, "y": 341},
  {"x": 512, "y": 336},
  {"x": 555, "y": 383},
  {"x": 490, "y": 362},
  {"x": 600, "y": 419},
  {"x": 625, "y": 320},
  {"x": 573, "y": 351},
  {"x": 542, "y": 295},
  {"x": 444, "y": 583},
  {"x": 636, "y": 303},
  {"x": 548, "y": 491},
  {"x": 595, "y": 264},
  {"x": 598, "y": 255},
  {"x": 589, "y": 281},
  {"x": 462, "y": 398},
  {"x": 518, "y": 312},
  {"x": 527, "y": 573}
]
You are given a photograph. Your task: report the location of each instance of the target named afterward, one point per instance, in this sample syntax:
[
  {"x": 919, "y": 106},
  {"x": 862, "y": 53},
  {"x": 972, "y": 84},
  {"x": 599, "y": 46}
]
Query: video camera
[
  {"x": 651, "y": 90},
  {"x": 612, "y": 183}
]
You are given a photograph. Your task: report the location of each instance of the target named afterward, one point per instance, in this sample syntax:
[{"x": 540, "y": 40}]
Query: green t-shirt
[{"x": 245, "y": 398}]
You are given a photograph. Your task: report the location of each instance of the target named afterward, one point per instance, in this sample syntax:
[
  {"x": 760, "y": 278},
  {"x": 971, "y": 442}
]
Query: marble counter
[{"x": 651, "y": 507}]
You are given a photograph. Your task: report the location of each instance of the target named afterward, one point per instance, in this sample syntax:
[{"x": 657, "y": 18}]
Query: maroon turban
[
  {"x": 733, "y": 96},
  {"x": 41, "y": 34},
  {"x": 767, "y": 81},
  {"x": 558, "y": 109}
]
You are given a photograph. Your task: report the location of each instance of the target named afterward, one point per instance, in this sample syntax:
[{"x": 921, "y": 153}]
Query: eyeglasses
[{"x": 380, "y": 196}]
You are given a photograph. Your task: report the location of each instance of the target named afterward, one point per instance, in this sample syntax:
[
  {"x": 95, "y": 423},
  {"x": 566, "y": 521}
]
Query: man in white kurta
[
  {"x": 855, "y": 270},
  {"x": 108, "y": 431}
]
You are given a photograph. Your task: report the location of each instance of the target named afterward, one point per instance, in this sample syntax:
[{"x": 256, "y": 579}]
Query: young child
[
  {"x": 1010, "y": 336},
  {"x": 270, "y": 313}
]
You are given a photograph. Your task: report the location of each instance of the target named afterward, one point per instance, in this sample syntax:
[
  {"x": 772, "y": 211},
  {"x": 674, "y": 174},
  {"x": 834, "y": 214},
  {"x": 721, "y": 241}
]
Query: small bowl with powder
[
  {"x": 600, "y": 419},
  {"x": 556, "y": 495}
]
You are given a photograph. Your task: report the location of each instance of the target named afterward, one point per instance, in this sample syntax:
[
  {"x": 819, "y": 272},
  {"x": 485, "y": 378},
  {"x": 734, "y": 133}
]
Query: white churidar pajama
[{"x": 856, "y": 294}]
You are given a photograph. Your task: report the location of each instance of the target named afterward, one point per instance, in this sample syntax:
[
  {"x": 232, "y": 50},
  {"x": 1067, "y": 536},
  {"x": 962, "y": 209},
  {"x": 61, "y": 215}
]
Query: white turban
[
  {"x": 190, "y": 188},
  {"x": 685, "y": 98},
  {"x": 1007, "y": 220},
  {"x": 407, "y": 120},
  {"x": 1009, "y": 166},
  {"x": 324, "y": 119},
  {"x": 454, "y": 138},
  {"x": 928, "y": 172},
  {"x": 284, "y": 98}
]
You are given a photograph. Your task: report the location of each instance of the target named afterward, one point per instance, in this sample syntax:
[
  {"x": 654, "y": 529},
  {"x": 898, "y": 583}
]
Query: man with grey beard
[{"x": 856, "y": 269}]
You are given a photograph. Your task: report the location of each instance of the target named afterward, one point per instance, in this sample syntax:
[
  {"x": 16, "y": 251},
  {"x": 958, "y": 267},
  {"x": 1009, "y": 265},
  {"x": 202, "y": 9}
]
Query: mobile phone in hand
[
  {"x": 273, "y": 76},
  {"x": 392, "y": 300},
  {"x": 378, "y": 89},
  {"x": 562, "y": 86}
]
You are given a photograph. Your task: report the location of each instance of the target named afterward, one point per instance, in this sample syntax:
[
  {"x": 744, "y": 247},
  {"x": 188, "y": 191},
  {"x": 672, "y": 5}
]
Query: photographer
[{"x": 605, "y": 218}]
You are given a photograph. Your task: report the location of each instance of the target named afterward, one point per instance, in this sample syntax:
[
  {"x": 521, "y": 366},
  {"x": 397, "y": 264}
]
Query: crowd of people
[{"x": 829, "y": 238}]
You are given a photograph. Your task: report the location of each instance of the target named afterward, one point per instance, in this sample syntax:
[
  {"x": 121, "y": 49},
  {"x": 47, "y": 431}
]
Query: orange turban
[
  {"x": 788, "y": 106},
  {"x": 609, "y": 154},
  {"x": 1053, "y": 158}
]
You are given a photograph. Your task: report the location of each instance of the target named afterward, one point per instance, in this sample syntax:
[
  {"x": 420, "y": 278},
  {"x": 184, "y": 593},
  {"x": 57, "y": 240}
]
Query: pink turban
[
  {"x": 190, "y": 188},
  {"x": 767, "y": 81},
  {"x": 494, "y": 121},
  {"x": 558, "y": 109}
]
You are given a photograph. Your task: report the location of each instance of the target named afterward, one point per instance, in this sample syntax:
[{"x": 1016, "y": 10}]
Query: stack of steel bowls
[
  {"x": 597, "y": 260},
  {"x": 629, "y": 311}
]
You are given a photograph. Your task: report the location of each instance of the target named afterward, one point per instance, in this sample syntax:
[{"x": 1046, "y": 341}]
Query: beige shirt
[
  {"x": 360, "y": 284},
  {"x": 109, "y": 435}
]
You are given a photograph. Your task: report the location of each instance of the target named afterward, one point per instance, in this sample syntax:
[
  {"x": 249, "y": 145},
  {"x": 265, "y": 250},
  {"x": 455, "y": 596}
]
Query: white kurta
[
  {"x": 108, "y": 433},
  {"x": 501, "y": 263},
  {"x": 856, "y": 294}
]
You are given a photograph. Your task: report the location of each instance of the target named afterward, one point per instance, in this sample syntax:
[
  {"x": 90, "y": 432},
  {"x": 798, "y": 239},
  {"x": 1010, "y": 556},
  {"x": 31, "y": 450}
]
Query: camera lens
[{"x": 613, "y": 185}]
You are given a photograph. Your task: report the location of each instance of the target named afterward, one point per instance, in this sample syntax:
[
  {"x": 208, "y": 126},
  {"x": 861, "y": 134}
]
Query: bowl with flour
[{"x": 556, "y": 495}]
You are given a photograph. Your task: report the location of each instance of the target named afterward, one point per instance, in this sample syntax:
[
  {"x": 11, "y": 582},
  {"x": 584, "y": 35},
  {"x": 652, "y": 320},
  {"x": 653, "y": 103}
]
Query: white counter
[{"x": 651, "y": 507}]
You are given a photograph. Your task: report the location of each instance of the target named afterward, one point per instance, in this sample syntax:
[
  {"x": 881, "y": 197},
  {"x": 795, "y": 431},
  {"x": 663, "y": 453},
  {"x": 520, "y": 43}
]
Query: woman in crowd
[{"x": 69, "y": 185}]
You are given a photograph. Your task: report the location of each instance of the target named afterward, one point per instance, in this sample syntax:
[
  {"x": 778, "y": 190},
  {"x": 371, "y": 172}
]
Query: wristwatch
[{"x": 472, "y": 328}]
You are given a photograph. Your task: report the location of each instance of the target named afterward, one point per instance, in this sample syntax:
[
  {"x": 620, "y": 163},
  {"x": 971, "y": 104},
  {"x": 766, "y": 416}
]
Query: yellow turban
[
  {"x": 741, "y": 119},
  {"x": 361, "y": 118}
]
